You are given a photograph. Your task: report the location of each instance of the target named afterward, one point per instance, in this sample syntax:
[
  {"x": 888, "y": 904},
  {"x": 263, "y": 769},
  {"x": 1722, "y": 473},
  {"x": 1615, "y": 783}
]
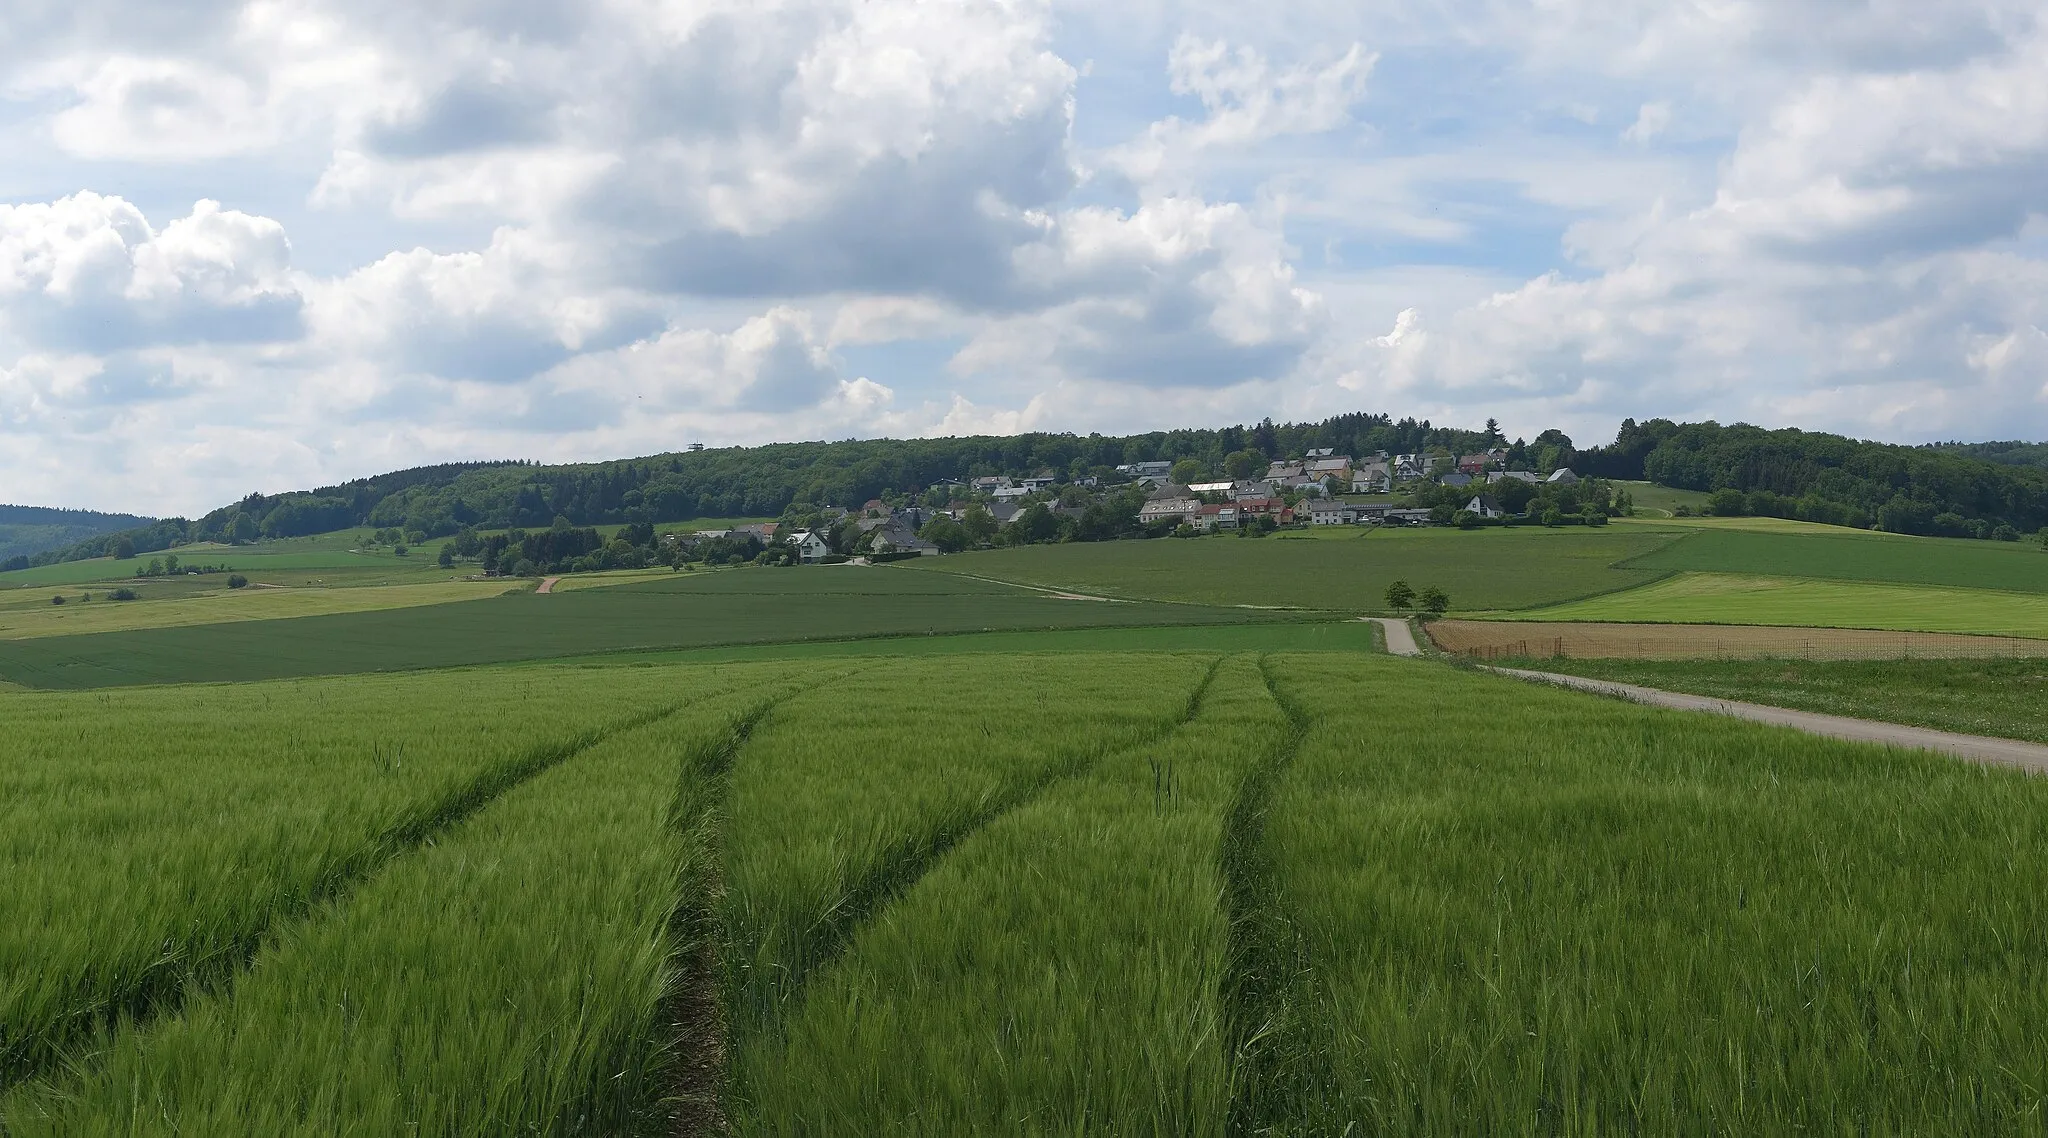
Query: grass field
[
  {"x": 2007, "y": 698},
  {"x": 223, "y": 605},
  {"x": 1481, "y": 569},
  {"x": 748, "y": 606},
  {"x": 1856, "y": 555},
  {"x": 1656, "y": 501},
  {"x": 1144, "y": 892},
  {"x": 1496, "y": 639},
  {"x": 1726, "y": 598}
]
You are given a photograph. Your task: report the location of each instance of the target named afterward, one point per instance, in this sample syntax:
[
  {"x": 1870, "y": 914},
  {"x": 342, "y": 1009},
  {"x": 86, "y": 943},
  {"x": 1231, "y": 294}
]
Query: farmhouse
[
  {"x": 1169, "y": 509},
  {"x": 810, "y": 548}
]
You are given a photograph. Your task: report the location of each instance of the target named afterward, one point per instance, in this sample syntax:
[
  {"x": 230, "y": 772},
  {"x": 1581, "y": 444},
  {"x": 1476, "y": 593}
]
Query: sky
[{"x": 260, "y": 246}]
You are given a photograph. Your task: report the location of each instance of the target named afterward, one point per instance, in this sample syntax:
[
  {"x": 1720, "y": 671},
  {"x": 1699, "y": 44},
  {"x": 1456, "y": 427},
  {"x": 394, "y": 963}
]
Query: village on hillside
[{"x": 1163, "y": 499}]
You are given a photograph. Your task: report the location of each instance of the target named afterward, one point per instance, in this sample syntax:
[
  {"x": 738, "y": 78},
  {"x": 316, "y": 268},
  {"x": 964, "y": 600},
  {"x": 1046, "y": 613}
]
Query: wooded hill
[
  {"x": 1793, "y": 473},
  {"x": 28, "y": 530}
]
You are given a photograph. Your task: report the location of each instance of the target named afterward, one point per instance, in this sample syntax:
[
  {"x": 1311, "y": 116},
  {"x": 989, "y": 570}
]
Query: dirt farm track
[{"x": 1492, "y": 640}]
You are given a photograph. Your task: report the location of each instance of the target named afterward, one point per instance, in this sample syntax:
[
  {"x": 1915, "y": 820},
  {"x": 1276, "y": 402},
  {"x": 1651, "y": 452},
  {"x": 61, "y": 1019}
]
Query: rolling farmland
[
  {"x": 1164, "y": 892},
  {"x": 1726, "y": 598},
  {"x": 1855, "y": 555},
  {"x": 749, "y": 606},
  {"x": 1341, "y": 568}
]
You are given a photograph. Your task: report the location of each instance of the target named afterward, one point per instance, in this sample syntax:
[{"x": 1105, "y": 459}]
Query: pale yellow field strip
[
  {"x": 572, "y": 581},
  {"x": 254, "y": 603}
]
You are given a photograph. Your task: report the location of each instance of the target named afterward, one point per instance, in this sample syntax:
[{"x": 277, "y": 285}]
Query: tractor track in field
[
  {"x": 1263, "y": 963},
  {"x": 695, "y": 1013},
  {"x": 870, "y": 896},
  {"x": 165, "y": 989}
]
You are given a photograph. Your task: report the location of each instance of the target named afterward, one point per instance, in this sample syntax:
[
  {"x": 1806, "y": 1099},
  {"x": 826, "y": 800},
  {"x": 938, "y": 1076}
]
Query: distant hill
[
  {"x": 2013, "y": 453},
  {"x": 1787, "y": 473},
  {"x": 28, "y": 530}
]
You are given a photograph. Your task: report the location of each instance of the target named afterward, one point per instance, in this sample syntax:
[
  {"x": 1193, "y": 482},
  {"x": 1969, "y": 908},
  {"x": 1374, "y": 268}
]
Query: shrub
[
  {"x": 399, "y": 551},
  {"x": 57, "y": 600},
  {"x": 2005, "y": 533},
  {"x": 237, "y": 581},
  {"x": 1553, "y": 517},
  {"x": 1729, "y": 503},
  {"x": 123, "y": 594},
  {"x": 1465, "y": 519}
]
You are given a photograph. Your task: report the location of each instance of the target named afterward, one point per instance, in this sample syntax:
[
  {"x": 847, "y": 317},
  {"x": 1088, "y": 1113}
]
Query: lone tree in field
[
  {"x": 1400, "y": 595},
  {"x": 1436, "y": 600}
]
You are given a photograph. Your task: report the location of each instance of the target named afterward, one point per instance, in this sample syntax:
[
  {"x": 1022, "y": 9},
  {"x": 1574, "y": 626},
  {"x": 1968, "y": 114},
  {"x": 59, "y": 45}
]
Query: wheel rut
[
  {"x": 1264, "y": 963},
  {"x": 866, "y": 899},
  {"x": 165, "y": 989}
]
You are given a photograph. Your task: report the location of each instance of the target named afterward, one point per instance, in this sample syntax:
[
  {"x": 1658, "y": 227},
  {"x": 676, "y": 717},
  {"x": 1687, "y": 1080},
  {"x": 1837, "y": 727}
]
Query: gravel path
[
  {"x": 1400, "y": 636},
  {"x": 1976, "y": 748},
  {"x": 547, "y": 586}
]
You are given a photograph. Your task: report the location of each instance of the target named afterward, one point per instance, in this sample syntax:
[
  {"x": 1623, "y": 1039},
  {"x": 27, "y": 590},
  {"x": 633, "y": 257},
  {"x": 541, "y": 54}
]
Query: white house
[
  {"x": 1332, "y": 512},
  {"x": 810, "y": 548},
  {"x": 1009, "y": 493},
  {"x": 1169, "y": 509},
  {"x": 1485, "y": 506}
]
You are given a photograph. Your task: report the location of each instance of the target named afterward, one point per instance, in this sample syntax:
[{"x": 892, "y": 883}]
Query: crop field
[
  {"x": 220, "y": 605},
  {"x": 2007, "y": 698},
  {"x": 1726, "y": 598},
  {"x": 1495, "y": 640},
  {"x": 1139, "y": 892},
  {"x": 1481, "y": 569},
  {"x": 254, "y": 560},
  {"x": 1856, "y": 555},
  {"x": 748, "y": 606}
]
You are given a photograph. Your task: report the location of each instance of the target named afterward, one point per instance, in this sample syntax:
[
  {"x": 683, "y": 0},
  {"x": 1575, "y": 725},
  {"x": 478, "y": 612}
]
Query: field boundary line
[
  {"x": 165, "y": 989},
  {"x": 866, "y": 899},
  {"x": 1264, "y": 966},
  {"x": 2014, "y": 753}
]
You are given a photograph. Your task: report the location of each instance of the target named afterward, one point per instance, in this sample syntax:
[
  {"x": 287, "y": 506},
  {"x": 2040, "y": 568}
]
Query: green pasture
[
  {"x": 1338, "y": 568},
  {"x": 1855, "y": 555},
  {"x": 1660, "y": 501},
  {"x": 2007, "y": 698},
  {"x": 1726, "y": 598},
  {"x": 1189, "y": 893},
  {"x": 748, "y": 606}
]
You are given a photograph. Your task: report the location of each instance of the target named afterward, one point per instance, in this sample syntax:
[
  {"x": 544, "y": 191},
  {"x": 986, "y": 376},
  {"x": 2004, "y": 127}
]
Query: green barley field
[
  {"x": 1148, "y": 891},
  {"x": 1854, "y": 555}
]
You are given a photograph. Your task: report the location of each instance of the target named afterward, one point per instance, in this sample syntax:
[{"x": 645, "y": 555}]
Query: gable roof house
[
  {"x": 1485, "y": 506},
  {"x": 1493, "y": 476},
  {"x": 1332, "y": 512},
  {"x": 810, "y": 548},
  {"x": 1457, "y": 479},
  {"x": 1563, "y": 476},
  {"x": 989, "y": 484},
  {"x": 1284, "y": 470},
  {"x": 1250, "y": 489},
  {"x": 1475, "y": 463},
  {"x": 1168, "y": 509},
  {"x": 1219, "y": 517},
  {"x": 1008, "y": 493},
  {"x": 1248, "y": 508}
]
